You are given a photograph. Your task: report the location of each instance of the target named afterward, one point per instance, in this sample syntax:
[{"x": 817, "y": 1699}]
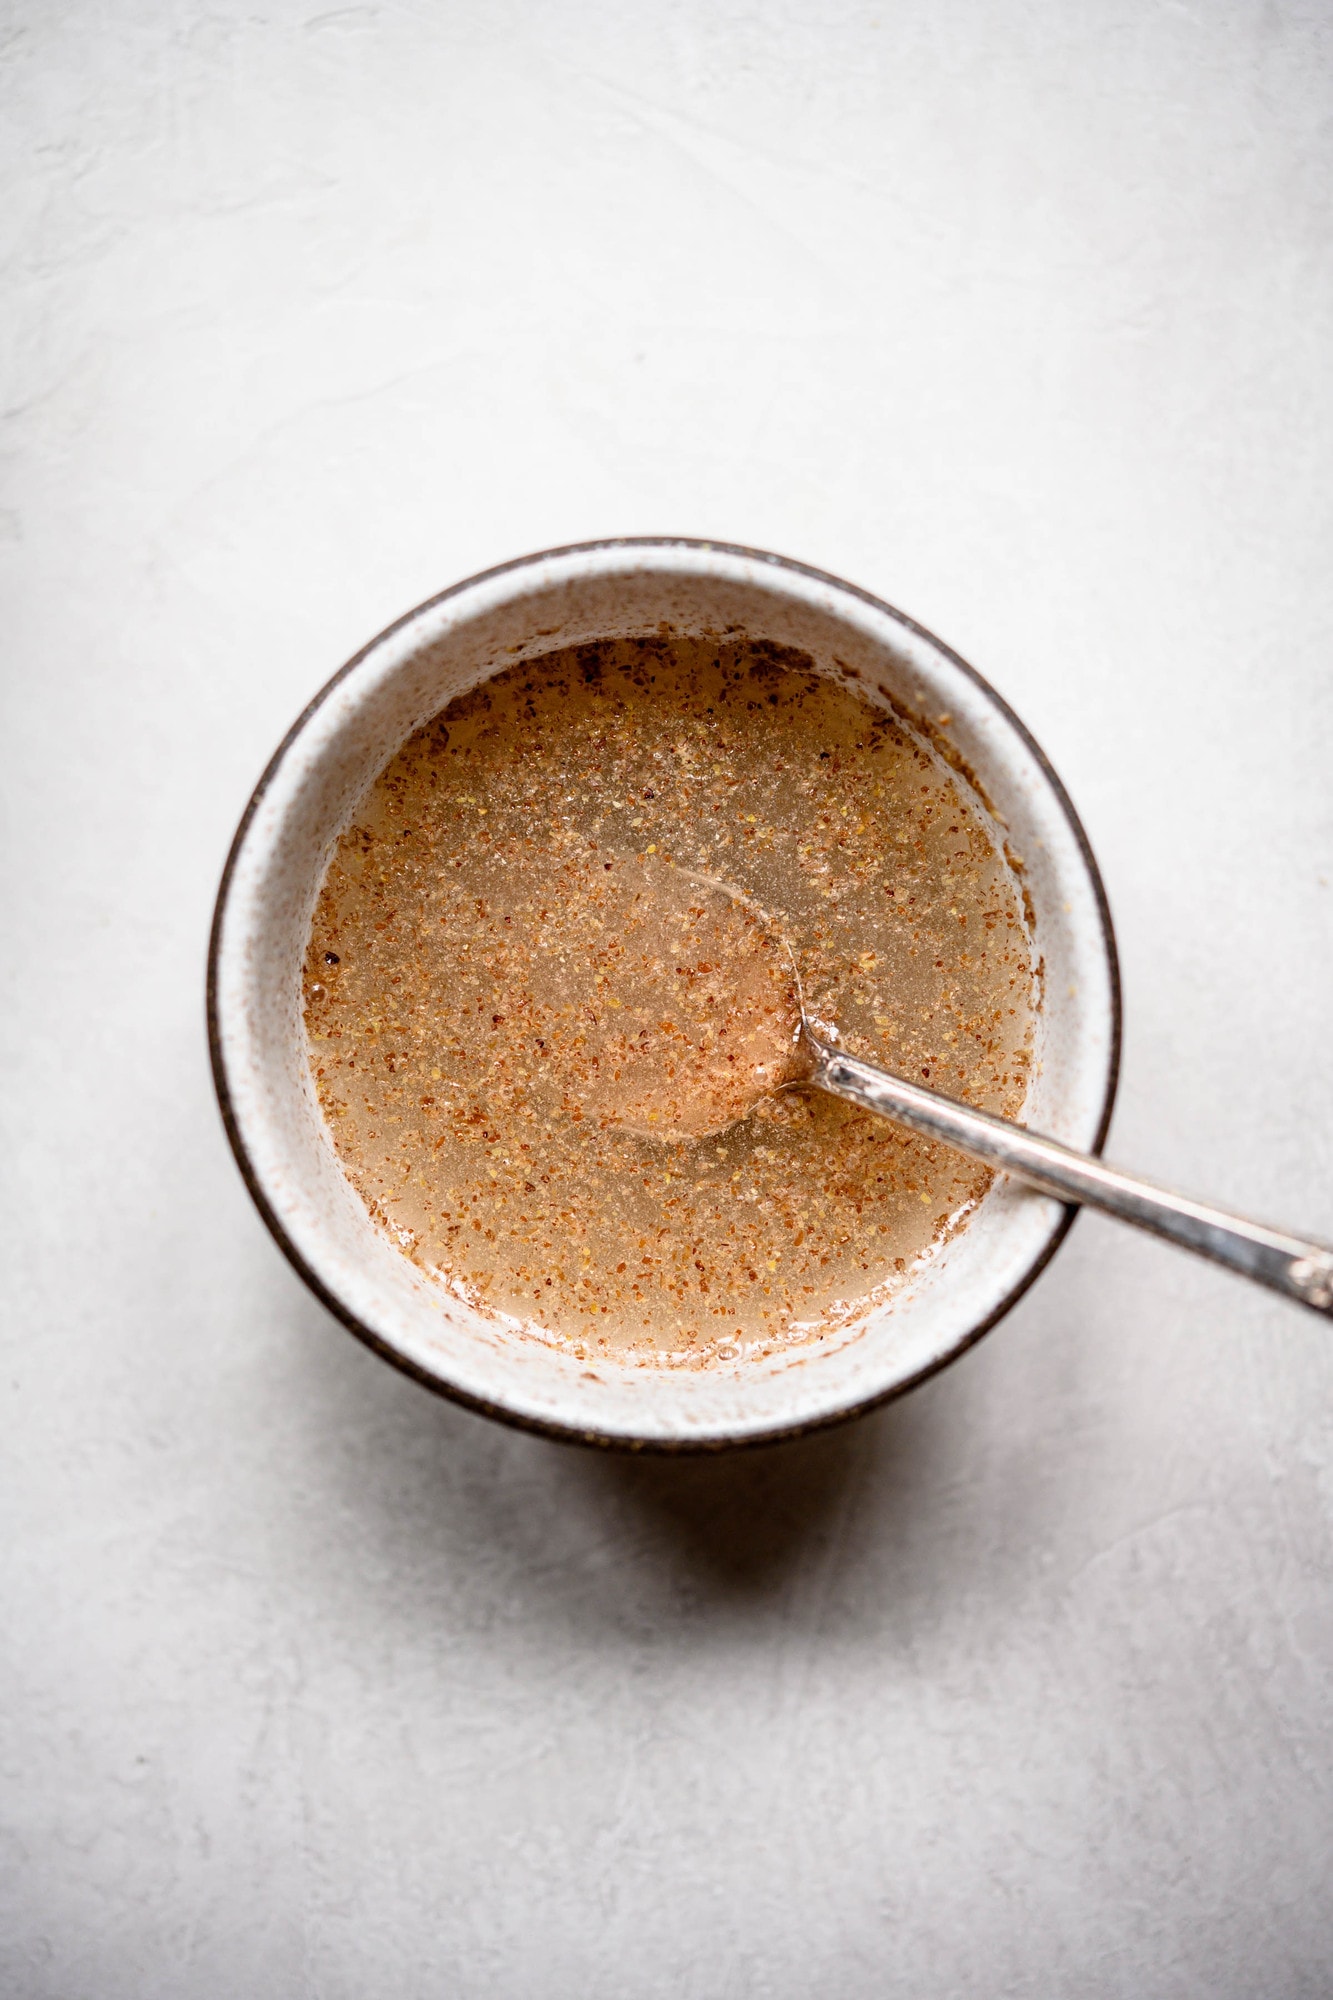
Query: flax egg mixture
[{"x": 552, "y": 1005}]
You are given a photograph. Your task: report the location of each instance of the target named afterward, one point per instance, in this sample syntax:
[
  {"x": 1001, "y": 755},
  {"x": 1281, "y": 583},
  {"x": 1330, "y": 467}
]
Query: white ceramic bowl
[{"x": 307, "y": 796}]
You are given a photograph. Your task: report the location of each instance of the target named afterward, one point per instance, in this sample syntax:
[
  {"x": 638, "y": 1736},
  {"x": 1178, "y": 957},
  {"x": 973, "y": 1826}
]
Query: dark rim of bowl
[{"x": 568, "y": 1433}]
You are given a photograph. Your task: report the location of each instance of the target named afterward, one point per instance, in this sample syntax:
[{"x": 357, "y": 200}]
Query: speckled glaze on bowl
[{"x": 307, "y": 796}]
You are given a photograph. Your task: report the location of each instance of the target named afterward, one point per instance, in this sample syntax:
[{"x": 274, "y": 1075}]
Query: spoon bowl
[{"x": 674, "y": 1009}]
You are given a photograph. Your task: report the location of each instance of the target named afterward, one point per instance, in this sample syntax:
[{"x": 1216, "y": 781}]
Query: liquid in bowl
[{"x": 517, "y": 927}]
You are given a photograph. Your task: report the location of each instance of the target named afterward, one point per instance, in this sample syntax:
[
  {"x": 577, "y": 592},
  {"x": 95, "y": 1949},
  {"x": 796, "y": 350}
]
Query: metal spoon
[
  {"x": 692, "y": 1085},
  {"x": 1289, "y": 1264}
]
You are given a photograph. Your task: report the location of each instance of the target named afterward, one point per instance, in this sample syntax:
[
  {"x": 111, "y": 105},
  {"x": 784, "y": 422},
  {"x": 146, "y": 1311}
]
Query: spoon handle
[{"x": 1300, "y": 1270}]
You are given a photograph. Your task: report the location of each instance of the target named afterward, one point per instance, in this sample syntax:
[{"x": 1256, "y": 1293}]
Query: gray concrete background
[{"x": 1020, "y": 315}]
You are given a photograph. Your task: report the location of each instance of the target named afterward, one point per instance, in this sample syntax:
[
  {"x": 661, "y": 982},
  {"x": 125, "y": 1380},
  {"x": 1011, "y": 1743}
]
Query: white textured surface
[{"x": 1019, "y": 315}]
